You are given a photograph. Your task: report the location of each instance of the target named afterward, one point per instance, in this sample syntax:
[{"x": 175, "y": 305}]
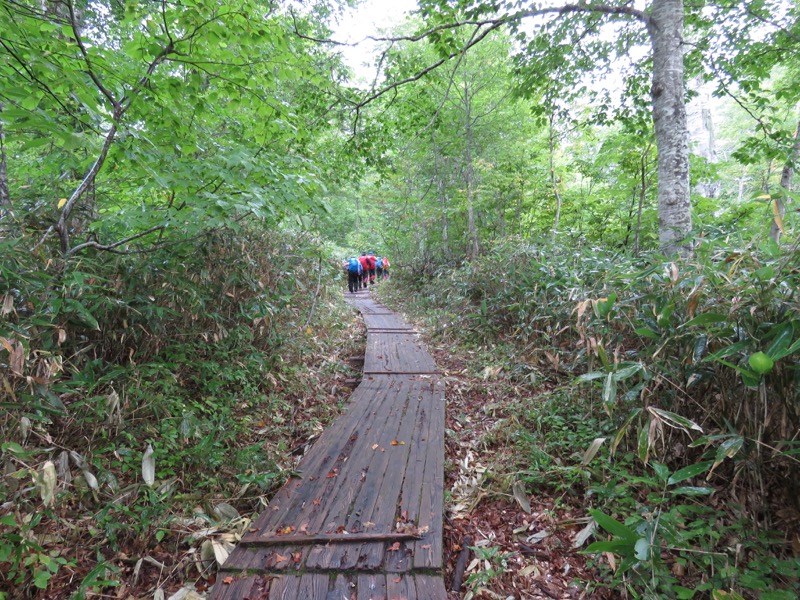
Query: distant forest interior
[{"x": 590, "y": 211}]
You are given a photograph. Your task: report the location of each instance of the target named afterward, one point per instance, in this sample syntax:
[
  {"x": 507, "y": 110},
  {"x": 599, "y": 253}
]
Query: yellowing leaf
[{"x": 62, "y": 202}]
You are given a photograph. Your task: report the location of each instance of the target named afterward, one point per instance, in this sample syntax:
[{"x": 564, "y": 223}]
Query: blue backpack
[
  {"x": 353, "y": 265},
  {"x": 379, "y": 263}
]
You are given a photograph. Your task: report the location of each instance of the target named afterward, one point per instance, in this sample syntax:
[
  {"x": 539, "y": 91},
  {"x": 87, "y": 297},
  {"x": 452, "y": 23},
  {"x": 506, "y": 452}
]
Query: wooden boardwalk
[{"x": 364, "y": 519}]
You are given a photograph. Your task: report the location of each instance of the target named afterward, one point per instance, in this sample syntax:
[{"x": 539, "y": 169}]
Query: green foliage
[
  {"x": 672, "y": 398},
  {"x": 192, "y": 351}
]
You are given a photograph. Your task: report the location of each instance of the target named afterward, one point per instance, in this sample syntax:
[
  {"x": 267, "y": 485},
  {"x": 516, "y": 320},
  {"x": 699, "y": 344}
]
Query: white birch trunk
[{"x": 672, "y": 135}]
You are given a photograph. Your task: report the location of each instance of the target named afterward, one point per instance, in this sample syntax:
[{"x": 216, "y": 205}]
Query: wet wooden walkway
[{"x": 364, "y": 519}]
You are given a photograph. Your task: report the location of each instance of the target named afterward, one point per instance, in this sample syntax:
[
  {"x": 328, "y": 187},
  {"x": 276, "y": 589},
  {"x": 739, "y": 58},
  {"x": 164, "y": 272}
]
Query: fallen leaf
[
  {"x": 281, "y": 558},
  {"x": 396, "y": 443},
  {"x": 394, "y": 547},
  {"x": 316, "y": 502},
  {"x": 297, "y": 556},
  {"x": 228, "y": 580},
  {"x": 375, "y": 446},
  {"x": 286, "y": 530},
  {"x": 333, "y": 474},
  {"x": 303, "y": 528}
]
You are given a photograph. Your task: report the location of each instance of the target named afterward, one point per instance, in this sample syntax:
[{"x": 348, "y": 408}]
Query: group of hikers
[{"x": 365, "y": 270}]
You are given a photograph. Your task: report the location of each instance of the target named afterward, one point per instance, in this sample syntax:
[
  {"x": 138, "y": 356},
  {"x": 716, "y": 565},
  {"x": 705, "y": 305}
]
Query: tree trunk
[
  {"x": 440, "y": 193},
  {"x": 469, "y": 175},
  {"x": 787, "y": 175},
  {"x": 553, "y": 181},
  {"x": 5, "y": 195},
  {"x": 672, "y": 134}
]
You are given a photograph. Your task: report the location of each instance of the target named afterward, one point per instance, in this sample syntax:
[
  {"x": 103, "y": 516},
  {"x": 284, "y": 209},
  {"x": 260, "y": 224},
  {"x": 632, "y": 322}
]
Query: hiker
[
  {"x": 385, "y": 267},
  {"x": 371, "y": 264},
  {"x": 379, "y": 268},
  {"x": 354, "y": 271},
  {"x": 364, "y": 269}
]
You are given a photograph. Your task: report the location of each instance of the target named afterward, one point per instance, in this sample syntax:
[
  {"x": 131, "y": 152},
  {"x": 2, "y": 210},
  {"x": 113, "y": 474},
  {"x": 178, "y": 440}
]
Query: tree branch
[
  {"x": 111, "y": 247},
  {"x": 89, "y": 67}
]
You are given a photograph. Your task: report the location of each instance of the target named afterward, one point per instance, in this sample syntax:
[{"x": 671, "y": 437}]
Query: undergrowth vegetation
[
  {"x": 664, "y": 399},
  {"x": 139, "y": 391}
]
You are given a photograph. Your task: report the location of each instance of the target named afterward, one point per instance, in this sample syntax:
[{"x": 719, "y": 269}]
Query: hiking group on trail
[{"x": 365, "y": 270}]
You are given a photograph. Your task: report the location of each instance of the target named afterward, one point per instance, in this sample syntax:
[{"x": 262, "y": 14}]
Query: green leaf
[
  {"x": 614, "y": 527},
  {"x": 705, "y": 319},
  {"x": 8, "y": 520},
  {"x": 643, "y": 446},
  {"x": 689, "y": 472},
  {"x": 662, "y": 471},
  {"x": 781, "y": 336},
  {"x": 728, "y": 350},
  {"x": 591, "y": 376},
  {"x": 647, "y": 332},
  {"x": 691, "y": 490},
  {"x": 675, "y": 420},
  {"x": 700, "y": 345},
  {"x": 81, "y": 312},
  {"x": 620, "y": 547},
  {"x": 625, "y": 372},
  {"x": 609, "y": 391},
  {"x": 727, "y": 449}
]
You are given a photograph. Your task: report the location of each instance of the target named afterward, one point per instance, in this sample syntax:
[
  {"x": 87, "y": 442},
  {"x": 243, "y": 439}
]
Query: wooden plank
[
  {"x": 285, "y": 587},
  {"x": 313, "y": 586},
  {"x": 430, "y": 587},
  {"x": 401, "y": 587},
  {"x": 328, "y": 538},
  {"x": 383, "y": 506},
  {"x": 238, "y": 588},
  {"x": 391, "y": 353},
  {"x": 352, "y": 476},
  {"x": 348, "y": 506},
  {"x": 275, "y": 558},
  {"x": 342, "y": 587},
  {"x": 371, "y": 586},
  {"x": 428, "y": 553}
]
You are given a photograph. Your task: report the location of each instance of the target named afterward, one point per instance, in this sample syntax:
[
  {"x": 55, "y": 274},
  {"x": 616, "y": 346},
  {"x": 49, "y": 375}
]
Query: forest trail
[{"x": 364, "y": 520}]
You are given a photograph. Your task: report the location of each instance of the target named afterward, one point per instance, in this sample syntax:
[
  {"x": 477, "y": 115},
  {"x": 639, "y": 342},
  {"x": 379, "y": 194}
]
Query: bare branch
[
  {"x": 112, "y": 247},
  {"x": 89, "y": 67},
  {"x": 486, "y": 26}
]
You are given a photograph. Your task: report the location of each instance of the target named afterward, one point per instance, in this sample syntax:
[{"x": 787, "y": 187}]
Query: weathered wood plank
[
  {"x": 430, "y": 587},
  {"x": 238, "y": 588},
  {"x": 285, "y": 587},
  {"x": 400, "y": 587},
  {"x": 382, "y": 507},
  {"x": 348, "y": 509},
  {"x": 328, "y": 538},
  {"x": 342, "y": 587},
  {"x": 389, "y": 353},
  {"x": 313, "y": 586},
  {"x": 428, "y": 553},
  {"x": 384, "y": 321},
  {"x": 371, "y": 586}
]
